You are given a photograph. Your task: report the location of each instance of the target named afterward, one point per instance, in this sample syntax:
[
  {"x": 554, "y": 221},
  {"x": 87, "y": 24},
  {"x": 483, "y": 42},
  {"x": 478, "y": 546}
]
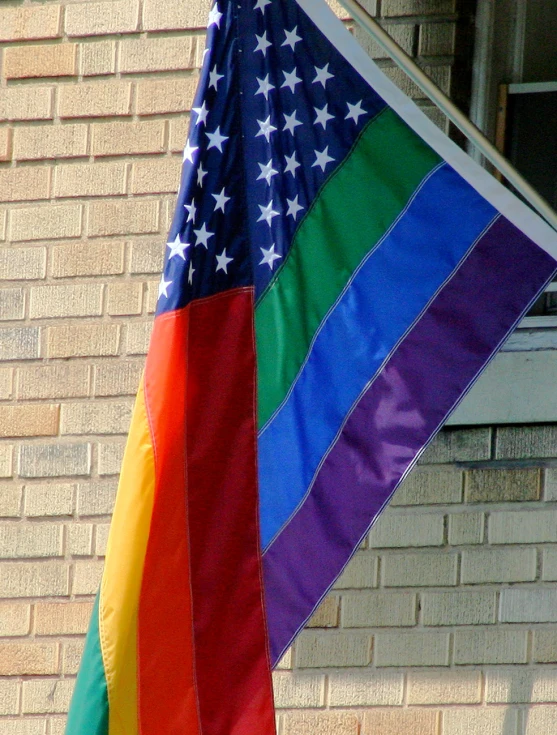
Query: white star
[
  {"x": 322, "y": 159},
  {"x": 220, "y": 200},
  {"x": 355, "y": 111},
  {"x": 323, "y": 116},
  {"x": 269, "y": 257},
  {"x": 322, "y": 75},
  {"x": 294, "y": 207},
  {"x": 261, "y": 4},
  {"x": 292, "y": 39},
  {"x": 267, "y": 213},
  {"x": 189, "y": 150},
  {"x": 201, "y": 174},
  {"x": 163, "y": 287},
  {"x": 190, "y": 273},
  {"x": 290, "y": 80},
  {"x": 262, "y": 44},
  {"x": 291, "y": 164},
  {"x": 201, "y": 113},
  {"x": 265, "y": 128},
  {"x": 267, "y": 172},
  {"x": 214, "y": 17},
  {"x": 264, "y": 87},
  {"x": 214, "y": 77},
  {"x": 223, "y": 261},
  {"x": 291, "y": 122},
  {"x": 192, "y": 211},
  {"x": 177, "y": 248},
  {"x": 203, "y": 236},
  {"x": 216, "y": 139}
]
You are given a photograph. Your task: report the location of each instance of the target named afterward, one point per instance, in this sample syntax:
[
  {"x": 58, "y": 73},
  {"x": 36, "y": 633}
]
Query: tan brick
[
  {"x": 55, "y": 141},
  {"x": 324, "y": 723},
  {"x": 147, "y": 257},
  {"x": 519, "y": 685},
  {"x": 12, "y": 304},
  {"x": 25, "y": 103},
  {"x": 179, "y": 127},
  {"x": 86, "y": 577},
  {"x": 360, "y": 572},
  {"x": 102, "y": 18},
  {"x": 96, "y": 498},
  {"x": 286, "y": 661},
  {"x": 29, "y": 420},
  {"x": 117, "y": 379},
  {"x": 10, "y": 501},
  {"x": 165, "y": 15},
  {"x": 82, "y": 340},
  {"x": 490, "y": 646},
  {"x": 459, "y": 608},
  {"x": 152, "y": 296},
  {"x": 437, "y": 39},
  {"x": 480, "y": 566},
  {"x": 458, "y": 445},
  {"x": 393, "y": 530},
  {"x": 24, "y": 183},
  {"x": 18, "y": 659},
  {"x": 15, "y": 619},
  {"x": 94, "y": 99},
  {"x": 354, "y": 689},
  {"x": 409, "y": 722},
  {"x": 326, "y": 615},
  {"x": 444, "y": 687},
  {"x": 549, "y": 564},
  {"x": 6, "y": 383},
  {"x": 411, "y": 649},
  {"x": 419, "y": 570},
  {"x": 88, "y": 259},
  {"x": 72, "y": 653},
  {"x": 24, "y": 727},
  {"x": 528, "y": 605},
  {"x": 28, "y": 23},
  {"x": 322, "y": 650},
  {"x": 137, "y": 338},
  {"x": 54, "y": 460},
  {"x": 160, "y": 175},
  {"x": 500, "y": 486},
  {"x": 6, "y": 452},
  {"x": 62, "y": 380},
  {"x": 378, "y": 609},
  {"x": 79, "y": 539},
  {"x": 30, "y": 540},
  {"x": 90, "y": 180},
  {"x": 427, "y": 487},
  {"x": 524, "y": 527},
  {"x": 125, "y": 298},
  {"x": 47, "y": 696},
  {"x": 49, "y": 500},
  {"x": 97, "y": 58},
  {"x": 541, "y": 720},
  {"x": 166, "y": 95},
  {"x": 298, "y": 689},
  {"x": 417, "y": 7},
  {"x": 27, "y": 61},
  {"x": 526, "y": 442},
  {"x": 544, "y": 649},
  {"x": 9, "y": 697},
  {"x": 66, "y": 301},
  {"x": 127, "y": 138},
  {"x": 97, "y": 417},
  {"x": 22, "y": 263},
  {"x": 46, "y": 222},
  {"x": 110, "y": 458},
  {"x": 484, "y": 721},
  {"x": 123, "y": 217},
  {"x": 5, "y": 144},
  {"x": 101, "y": 538},
  {"x": 402, "y": 33},
  {"x": 160, "y": 54},
  {"x": 466, "y": 528}
]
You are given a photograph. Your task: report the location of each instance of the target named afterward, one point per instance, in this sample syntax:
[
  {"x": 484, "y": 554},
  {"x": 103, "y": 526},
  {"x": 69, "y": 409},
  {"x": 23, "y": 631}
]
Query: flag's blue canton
[{"x": 276, "y": 112}]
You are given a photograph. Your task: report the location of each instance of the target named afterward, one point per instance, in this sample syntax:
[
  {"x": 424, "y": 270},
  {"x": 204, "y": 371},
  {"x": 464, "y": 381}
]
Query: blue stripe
[{"x": 387, "y": 294}]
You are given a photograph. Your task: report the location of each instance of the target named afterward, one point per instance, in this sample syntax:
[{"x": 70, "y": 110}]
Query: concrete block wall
[{"x": 444, "y": 621}]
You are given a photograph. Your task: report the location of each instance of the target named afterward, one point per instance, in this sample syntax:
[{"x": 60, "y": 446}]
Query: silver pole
[{"x": 408, "y": 65}]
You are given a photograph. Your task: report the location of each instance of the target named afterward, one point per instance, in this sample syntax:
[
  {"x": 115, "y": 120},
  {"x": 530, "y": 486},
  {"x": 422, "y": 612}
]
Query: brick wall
[{"x": 444, "y": 618}]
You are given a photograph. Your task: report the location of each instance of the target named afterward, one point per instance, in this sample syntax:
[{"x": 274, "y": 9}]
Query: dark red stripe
[{"x": 233, "y": 673}]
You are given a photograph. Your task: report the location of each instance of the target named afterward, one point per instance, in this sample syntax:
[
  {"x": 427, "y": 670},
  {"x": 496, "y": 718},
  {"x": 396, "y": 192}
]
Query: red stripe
[
  {"x": 233, "y": 673},
  {"x": 166, "y": 685}
]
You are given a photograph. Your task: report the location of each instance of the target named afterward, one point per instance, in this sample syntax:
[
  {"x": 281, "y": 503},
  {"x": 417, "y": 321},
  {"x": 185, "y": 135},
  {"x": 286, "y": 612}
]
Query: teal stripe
[{"x": 88, "y": 713}]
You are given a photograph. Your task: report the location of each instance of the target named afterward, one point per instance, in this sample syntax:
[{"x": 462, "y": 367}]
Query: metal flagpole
[{"x": 408, "y": 65}]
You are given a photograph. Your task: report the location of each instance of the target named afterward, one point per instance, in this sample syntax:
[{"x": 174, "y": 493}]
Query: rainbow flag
[{"x": 337, "y": 275}]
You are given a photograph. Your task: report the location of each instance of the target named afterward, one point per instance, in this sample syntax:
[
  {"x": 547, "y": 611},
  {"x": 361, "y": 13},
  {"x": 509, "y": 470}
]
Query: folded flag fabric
[{"x": 337, "y": 275}]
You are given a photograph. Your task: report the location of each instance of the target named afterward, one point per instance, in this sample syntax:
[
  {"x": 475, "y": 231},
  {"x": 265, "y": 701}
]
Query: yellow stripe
[{"x": 121, "y": 583}]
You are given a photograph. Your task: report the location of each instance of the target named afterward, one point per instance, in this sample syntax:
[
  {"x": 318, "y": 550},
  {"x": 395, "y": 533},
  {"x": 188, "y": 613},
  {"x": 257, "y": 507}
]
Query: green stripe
[
  {"x": 88, "y": 713},
  {"x": 353, "y": 211}
]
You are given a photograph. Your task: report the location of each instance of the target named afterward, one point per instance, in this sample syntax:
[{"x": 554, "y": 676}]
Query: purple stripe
[{"x": 395, "y": 419}]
